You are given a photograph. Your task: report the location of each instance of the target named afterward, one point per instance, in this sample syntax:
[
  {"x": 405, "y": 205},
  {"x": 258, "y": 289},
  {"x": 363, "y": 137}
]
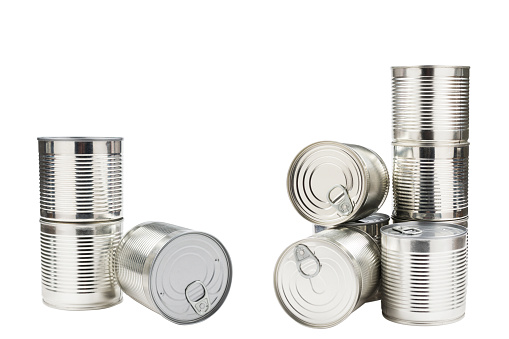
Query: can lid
[
  {"x": 317, "y": 282},
  {"x": 373, "y": 219},
  {"x": 424, "y": 230},
  {"x": 190, "y": 277},
  {"x": 327, "y": 183}
]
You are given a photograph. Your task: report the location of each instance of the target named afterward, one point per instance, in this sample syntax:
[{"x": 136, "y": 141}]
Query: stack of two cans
[{"x": 321, "y": 280}]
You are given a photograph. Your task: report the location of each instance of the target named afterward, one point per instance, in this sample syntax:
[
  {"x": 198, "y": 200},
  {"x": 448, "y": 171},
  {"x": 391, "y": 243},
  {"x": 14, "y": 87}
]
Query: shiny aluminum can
[
  {"x": 462, "y": 222},
  {"x": 430, "y": 182},
  {"x": 424, "y": 272},
  {"x": 77, "y": 264},
  {"x": 430, "y": 103},
  {"x": 319, "y": 281},
  {"x": 330, "y": 183},
  {"x": 80, "y": 179},
  {"x": 181, "y": 274}
]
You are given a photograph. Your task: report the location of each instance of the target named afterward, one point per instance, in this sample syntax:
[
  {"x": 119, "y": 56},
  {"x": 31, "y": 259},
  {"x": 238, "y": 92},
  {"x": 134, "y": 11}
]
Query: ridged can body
[
  {"x": 155, "y": 265},
  {"x": 327, "y": 176},
  {"x": 430, "y": 182},
  {"x": 424, "y": 275},
  {"x": 430, "y": 103},
  {"x": 77, "y": 264},
  {"x": 80, "y": 179},
  {"x": 319, "y": 281}
]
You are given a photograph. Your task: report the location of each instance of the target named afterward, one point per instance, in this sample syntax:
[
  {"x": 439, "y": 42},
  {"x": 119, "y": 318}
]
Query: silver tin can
[
  {"x": 462, "y": 222},
  {"x": 77, "y": 264},
  {"x": 80, "y": 179},
  {"x": 430, "y": 182},
  {"x": 430, "y": 103},
  {"x": 424, "y": 272},
  {"x": 181, "y": 274},
  {"x": 330, "y": 183},
  {"x": 319, "y": 281},
  {"x": 370, "y": 225}
]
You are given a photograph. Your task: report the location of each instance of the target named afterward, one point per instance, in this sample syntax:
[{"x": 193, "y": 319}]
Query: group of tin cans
[
  {"x": 417, "y": 266},
  {"x": 181, "y": 274}
]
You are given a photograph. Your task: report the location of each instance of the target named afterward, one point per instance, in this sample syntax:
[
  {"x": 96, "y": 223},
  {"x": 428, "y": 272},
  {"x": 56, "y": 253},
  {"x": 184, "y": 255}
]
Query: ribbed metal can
[
  {"x": 430, "y": 182},
  {"x": 424, "y": 272},
  {"x": 430, "y": 103},
  {"x": 181, "y": 274},
  {"x": 77, "y": 264},
  {"x": 330, "y": 183},
  {"x": 80, "y": 179},
  {"x": 462, "y": 222},
  {"x": 319, "y": 281}
]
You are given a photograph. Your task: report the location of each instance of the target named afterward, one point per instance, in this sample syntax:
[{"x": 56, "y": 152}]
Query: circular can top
[
  {"x": 373, "y": 219},
  {"x": 424, "y": 230},
  {"x": 317, "y": 282},
  {"x": 322, "y": 175},
  {"x": 190, "y": 277}
]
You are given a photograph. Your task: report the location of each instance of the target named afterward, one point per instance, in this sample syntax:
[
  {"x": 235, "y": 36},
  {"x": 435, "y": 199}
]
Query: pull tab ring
[
  {"x": 342, "y": 201},
  {"x": 202, "y": 305},
  {"x": 302, "y": 253},
  {"x": 407, "y": 230}
]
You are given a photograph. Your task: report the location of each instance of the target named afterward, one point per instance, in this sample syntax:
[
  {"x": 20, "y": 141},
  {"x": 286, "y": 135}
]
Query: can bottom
[
  {"x": 89, "y": 307},
  {"x": 422, "y": 323}
]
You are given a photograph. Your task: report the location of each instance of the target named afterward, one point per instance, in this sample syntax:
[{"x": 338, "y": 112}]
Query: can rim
[
  {"x": 80, "y": 139},
  {"x": 430, "y": 66}
]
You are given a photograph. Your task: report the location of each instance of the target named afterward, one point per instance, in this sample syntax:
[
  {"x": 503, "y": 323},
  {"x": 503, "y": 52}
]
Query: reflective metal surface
[
  {"x": 330, "y": 183},
  {"x": 461, "y": 222},
  {"x": 430, "y": 103},
  {"x": 181, "y": 274},
  {"x": 80, "y": 179},
  {"x": 77, "y": 264},
  {"x": 430, "y": 182},
  {"x": 319, "y": 281},
  {"x": 424, "y": 272}
]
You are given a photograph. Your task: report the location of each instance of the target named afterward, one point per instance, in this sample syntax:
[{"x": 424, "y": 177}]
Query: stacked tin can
[
  {"x": 430, "y": 140},
  {"x": 321, "y": 280},
  {"x": 81, "y": 221}
]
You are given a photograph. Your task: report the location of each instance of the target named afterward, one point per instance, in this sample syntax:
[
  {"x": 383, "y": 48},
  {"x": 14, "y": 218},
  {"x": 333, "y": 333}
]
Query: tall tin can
[
  {"x": 181, "y": 274},
  {"x": 319, "y": 281},
  {"x": 430, "y": 182},
  {"x": 80, "y": 179},
  {"x": 77, "y": 264},
  {"x": 430, "y": 103},
  {"x": 424, "y": 272},
  {"x": 330, "y": 183}
]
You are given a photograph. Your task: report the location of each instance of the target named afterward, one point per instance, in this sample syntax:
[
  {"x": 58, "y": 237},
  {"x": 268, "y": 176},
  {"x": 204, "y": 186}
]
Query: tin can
[
  {"x": 462, "y": 222},
  {"x": 77, "y": 266},
  {"x": 430, "y": 182},
  {"x": 330, "y": 183},
  {"x": 430, "y": 103},
  {"x": 181, "y": 274},
  {"x": 80, "y": 179},
  {"x": 370, "y": 225},
  {"x": 319, "y": 281},
  {"x": 424, "y": 272}
]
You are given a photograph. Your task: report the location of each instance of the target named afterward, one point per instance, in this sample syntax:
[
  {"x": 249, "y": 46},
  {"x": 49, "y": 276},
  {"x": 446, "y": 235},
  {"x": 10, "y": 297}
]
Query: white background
[{"x": 214, "y": 99}]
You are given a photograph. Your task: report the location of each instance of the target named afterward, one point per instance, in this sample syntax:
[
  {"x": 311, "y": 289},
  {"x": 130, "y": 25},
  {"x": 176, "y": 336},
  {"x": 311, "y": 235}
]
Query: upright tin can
[
  {"x": 330, "y": 183},
  {"x": 424, "y": 272},
  {"x": 430, "y": 182},
  {"x": 319, "y": 281},
  {"x": 430, "y": 103},
  {"x": 181, "y": 274},
  {"x": 77, "y": 264},
  {"x": 80, "y": 179}
]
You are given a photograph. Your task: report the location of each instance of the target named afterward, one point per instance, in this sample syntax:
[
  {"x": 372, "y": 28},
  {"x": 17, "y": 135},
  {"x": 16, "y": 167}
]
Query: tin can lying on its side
[
  {"x": 330, "y": 183},
  {"x": 181, "y": 274},
  {"x": 77, "y": 264},
  {"x": 424, "y": 272},
  {"x": 319, "y": 281}
]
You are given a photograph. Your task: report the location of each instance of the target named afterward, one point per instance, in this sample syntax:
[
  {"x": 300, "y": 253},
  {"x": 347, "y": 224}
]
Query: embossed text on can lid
[
  {"x": 190, "y": 277},
  {"x": 317, "y": 282},
  {"x": 424, "y": 230},
  {"x": 327, "y": 183}
]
